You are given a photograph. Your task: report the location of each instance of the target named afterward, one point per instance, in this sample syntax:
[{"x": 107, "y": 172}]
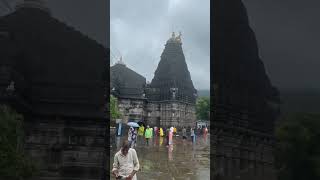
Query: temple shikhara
[
  {"x": 246, "y": 104},
  {"x": 169, "y": 100},
  {"x": 53, "y": 74}
]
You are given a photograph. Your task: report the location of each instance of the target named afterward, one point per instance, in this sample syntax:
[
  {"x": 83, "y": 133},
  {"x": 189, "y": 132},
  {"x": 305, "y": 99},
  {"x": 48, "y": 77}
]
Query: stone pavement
[{"x": 181, "y": 161}]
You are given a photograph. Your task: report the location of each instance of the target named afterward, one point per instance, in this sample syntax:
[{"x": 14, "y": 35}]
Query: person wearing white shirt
[{"x": 126, "y": 163}]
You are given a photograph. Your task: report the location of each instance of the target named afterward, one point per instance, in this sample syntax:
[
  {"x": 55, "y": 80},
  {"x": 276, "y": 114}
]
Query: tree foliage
[
  {"x": 298, "y": 149},
  {"x": 203, "y": 108},
  {"x": 114, "y": 110},
  {"x": 14, "y": 164}
]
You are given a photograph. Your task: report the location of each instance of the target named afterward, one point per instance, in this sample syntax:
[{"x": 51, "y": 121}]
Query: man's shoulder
[
  {"x": 132, "y": 150},
  {"x": 117, "y": 153}
]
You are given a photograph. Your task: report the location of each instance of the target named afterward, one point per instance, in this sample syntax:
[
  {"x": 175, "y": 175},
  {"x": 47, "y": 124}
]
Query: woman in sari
[
  {"x": 132, "y": 137},
  {"x": 170, "y": 135}
]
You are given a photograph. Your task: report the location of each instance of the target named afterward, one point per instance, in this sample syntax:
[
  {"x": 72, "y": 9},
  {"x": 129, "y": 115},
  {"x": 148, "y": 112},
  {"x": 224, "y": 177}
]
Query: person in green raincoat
[{"x": 148, "y": 134}]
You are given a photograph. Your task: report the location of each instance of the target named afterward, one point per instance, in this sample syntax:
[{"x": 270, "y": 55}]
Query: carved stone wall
[
  {"x": 244, "y": 118},
  {"x": 171, "y": 113},
  {"x": 66, "y": 148},
  {"x": 165, "y": 113},
  {"x": 132, "y": 109},
  {"x": 242, "y": 154}
]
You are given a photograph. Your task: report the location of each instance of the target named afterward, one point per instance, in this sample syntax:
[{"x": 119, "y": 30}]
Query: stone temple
[
  {"x": 53, "y": 75},
  {"x": 169, "y": 100},
  {"x": 246, "y": 105}
]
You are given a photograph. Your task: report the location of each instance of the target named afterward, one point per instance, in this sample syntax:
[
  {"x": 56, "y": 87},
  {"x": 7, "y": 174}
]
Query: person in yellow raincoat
[
  {"x": 141, "y": 130},
  {"x": 140, "y": 133},
  {"x": 161, "y": 132},
  {"x": 174, "y": 130}
]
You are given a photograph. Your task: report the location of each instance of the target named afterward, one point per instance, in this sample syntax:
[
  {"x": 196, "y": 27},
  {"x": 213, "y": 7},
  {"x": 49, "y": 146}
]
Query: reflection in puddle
[{"x": 170, "y": 149}]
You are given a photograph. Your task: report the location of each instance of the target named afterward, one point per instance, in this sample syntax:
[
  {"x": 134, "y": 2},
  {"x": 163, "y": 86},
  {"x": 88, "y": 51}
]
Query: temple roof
[
  {"x": 172, "y": 72},
  {"x": 60, "y": 64},
  {"x": 125, "y": 82},
  {"x": 240, "y": 78}
]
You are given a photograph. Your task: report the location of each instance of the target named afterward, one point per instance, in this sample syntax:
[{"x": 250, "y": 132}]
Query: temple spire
[{"x": 172, "y": 72}]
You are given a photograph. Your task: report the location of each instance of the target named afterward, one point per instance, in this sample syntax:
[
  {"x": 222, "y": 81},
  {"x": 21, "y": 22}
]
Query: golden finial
[
  {"x": 178, "y": 38},
  {"x": 120, "y": 61}
]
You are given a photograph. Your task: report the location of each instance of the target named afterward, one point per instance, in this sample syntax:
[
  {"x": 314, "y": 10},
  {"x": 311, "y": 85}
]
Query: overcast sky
[
  {"x": 140, "y": 28},
  {"x": 288, "y": 34}
]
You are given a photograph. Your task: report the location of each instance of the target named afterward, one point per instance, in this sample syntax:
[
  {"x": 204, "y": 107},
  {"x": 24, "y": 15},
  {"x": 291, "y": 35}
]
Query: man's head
[{"x": 125, "y": 147}]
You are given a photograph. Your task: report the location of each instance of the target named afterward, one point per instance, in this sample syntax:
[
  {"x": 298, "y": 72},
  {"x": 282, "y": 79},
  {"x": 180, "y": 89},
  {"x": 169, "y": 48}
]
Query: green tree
[
  {"x": 203, "y": 108},
  {"x": 298, "y": 149},
  {"x": 14, "y": 165},
  {"x": 114, "y": 110}
]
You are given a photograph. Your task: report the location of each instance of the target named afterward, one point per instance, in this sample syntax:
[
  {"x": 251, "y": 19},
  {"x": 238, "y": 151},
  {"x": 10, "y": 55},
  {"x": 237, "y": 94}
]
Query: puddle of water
[{"x": 182, "y": 160}]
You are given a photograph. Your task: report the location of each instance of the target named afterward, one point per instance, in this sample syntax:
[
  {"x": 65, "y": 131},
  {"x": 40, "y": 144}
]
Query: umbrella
[
  {"x": 141, "y": 123},
  {"x": 133, "y": 124}
]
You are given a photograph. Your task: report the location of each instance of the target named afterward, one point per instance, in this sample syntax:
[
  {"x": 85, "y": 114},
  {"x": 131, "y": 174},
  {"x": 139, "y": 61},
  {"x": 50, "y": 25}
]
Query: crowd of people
[
  {"x": 145, "y": 134},
  {"x": 126, "y": 162}
]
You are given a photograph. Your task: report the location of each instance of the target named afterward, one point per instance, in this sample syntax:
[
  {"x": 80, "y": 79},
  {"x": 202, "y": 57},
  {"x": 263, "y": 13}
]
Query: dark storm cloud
[
  {"x": 91, "y": 17},
  {"x": 139, "y": 30},
  {"x": 288, "y": 36}
]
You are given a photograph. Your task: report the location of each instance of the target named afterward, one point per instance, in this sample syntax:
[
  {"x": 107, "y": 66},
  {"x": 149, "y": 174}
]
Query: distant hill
[
  {"x": 204, "y": 93},
  {"x": 303, "y": 100}
]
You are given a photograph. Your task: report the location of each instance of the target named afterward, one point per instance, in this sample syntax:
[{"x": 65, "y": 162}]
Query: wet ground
[{"x": 181, "y": 161}]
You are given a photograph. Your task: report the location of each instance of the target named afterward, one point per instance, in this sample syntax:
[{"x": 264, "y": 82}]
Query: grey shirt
[{"x": 184, "y": 132}]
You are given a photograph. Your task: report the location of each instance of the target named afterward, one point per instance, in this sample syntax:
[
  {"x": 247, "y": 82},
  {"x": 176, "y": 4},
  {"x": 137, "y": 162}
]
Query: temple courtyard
[{"x": 183, "y": 160}]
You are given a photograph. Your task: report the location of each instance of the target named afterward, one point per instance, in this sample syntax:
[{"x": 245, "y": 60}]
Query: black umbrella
[{"x": 141, "y": 123}]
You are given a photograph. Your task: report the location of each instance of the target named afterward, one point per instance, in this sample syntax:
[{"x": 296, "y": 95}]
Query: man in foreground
[{"x": 126, "y": 163}]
